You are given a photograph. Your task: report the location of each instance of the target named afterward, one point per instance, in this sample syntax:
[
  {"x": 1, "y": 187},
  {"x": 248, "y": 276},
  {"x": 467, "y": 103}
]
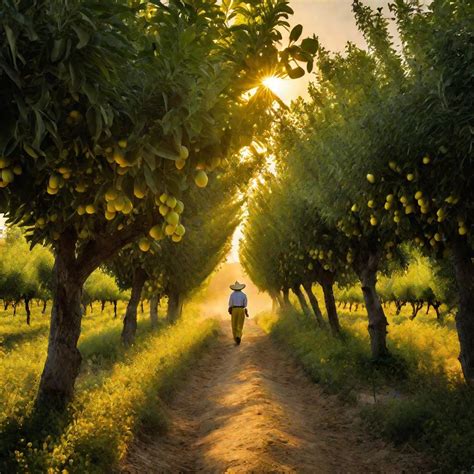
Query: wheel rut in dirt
[{"x": 251, "y": 408}]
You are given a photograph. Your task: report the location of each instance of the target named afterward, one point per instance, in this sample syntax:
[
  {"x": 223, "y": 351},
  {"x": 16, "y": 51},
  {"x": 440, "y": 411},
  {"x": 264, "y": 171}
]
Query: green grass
[
  {"x": 420, "y": 397},
  {"x": 117, "y": 391}
]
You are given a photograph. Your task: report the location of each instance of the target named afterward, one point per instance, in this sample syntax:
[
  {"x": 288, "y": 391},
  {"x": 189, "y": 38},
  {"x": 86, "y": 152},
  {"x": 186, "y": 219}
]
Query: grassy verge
[
  {"x": 117, "y": 392},
  {"x": 415, "y": 396}
]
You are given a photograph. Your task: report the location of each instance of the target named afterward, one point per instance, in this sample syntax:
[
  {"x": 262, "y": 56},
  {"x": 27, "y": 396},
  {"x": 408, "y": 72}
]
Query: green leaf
[
  {"x": 59, "y": 47},
  {"x": 30, "y": 151},
  {"x": 11, "y": 41},
  {"x": 310, "y": 45},
  {"x": 82, "y": 35},
  {"x": 296, "y": 73},
  {"x": 150, "y": 180},
  {"x": 296, "y": 32}
]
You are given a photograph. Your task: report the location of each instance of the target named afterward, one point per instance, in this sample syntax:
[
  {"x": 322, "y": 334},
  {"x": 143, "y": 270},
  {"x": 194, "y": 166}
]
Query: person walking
[{"x": 238, "y": 310}]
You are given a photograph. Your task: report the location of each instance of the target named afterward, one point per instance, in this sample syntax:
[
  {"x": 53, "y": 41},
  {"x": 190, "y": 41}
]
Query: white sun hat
[{"x": 237, "y": 286}]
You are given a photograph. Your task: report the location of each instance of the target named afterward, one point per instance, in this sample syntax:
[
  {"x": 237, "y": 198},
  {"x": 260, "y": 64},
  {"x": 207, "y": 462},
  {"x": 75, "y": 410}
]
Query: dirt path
[{"x": 252, "y": 409}]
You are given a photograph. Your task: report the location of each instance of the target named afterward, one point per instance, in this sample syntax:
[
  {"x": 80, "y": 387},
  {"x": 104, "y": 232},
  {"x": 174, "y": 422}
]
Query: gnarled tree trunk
[
  {"x": 154, "y": 302},
  {"x": 286, "y": 298},
  {"x": 130, "y": 321},
  {"x": 313, "y": 301},
  {"x": 326, "y": 279},
  {"x": 28, "y": 312},
  {"x": 302, "y": 300},
  {"x": 366, "y": 269},
  {"x": 175, "y": 306},
  {"x": 115, "y": 309},
  {"x": 464, "y": 270},
  {"x": 64, "y": 359}
]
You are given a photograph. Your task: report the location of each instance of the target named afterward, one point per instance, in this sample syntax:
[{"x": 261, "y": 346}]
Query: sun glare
[{"x": 275, "y": 84}]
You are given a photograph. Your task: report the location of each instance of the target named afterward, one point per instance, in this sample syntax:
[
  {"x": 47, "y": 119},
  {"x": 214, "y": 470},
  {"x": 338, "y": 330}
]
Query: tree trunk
[
  {"x": 102, "y": 306},
  {"x": 142, "y": 307},
  {"x": 14, "y": 307},
  {"x": 331, "y": 309},
  {"x": 286, "y": 298},
  {"x": 28, "y": 312},
  {"x": 115, "y": 309},
  {"x": 175, "y": 306},
  {"x": 302, "y": 300},
  {"x": 415, "y": 306},
  {"x": 130, "y": 321},
  {"x": 314, "y": 303},
  {"x": 154, "y": 302},
  {"x": 464, "y": 271},
  {"x": 45, "y": 303},
  {"x": 367, "y": 272},
  {"x": 64, "y": 359}
]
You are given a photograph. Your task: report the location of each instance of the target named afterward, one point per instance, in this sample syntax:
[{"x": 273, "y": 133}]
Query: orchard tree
[{"x": 106, "y": 107}]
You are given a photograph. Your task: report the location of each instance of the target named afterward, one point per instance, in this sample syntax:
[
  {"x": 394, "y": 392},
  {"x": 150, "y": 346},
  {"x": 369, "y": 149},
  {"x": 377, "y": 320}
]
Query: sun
[{"x": 275, "y": 84}]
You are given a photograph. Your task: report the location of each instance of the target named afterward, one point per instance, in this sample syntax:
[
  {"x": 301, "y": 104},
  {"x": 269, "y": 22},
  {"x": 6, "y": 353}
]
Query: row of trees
[
  {"x": 380, "y": 154},
  {"x": 106, "y": 107}
]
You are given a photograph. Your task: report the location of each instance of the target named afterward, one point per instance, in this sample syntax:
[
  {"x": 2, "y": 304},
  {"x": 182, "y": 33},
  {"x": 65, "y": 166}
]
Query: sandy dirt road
[{"x": 251, "y": 408}]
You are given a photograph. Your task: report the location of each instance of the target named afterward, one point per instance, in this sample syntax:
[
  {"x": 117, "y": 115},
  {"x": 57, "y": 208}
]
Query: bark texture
[
  {"x": 28, "y": 312},
  {"x": 366, "y": 270},
  {"x": 175, "y": 306},
  {"x": 302, "y": 300},
  {"x": 129, "y": 330},
  {"x": 331, "y": 309},
  {"x": 464, "y": 270},
  {"x": 313, "y": 301},
  {"x": 154, "y": 302}
]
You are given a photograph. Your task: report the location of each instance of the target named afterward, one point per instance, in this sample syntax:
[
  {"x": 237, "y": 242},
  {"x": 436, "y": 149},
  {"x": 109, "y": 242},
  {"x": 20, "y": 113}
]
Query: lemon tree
[{"x": 108, "y": 106}]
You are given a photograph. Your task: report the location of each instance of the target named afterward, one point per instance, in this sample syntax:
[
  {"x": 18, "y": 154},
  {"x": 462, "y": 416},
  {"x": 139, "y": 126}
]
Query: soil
[{"x": 251, "y": 408}]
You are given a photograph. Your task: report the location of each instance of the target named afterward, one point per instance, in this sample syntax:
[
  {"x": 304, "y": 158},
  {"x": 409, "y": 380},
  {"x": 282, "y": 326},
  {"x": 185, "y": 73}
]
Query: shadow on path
[{"x": 250, "y": 408}]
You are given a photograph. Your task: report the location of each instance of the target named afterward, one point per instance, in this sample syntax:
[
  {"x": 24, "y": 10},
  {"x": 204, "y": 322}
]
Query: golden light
[{"x": 275, "y": 84}]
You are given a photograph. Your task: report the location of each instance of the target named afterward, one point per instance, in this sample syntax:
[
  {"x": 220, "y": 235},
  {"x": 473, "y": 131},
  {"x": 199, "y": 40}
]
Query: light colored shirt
[{"x": 238, "y": 298}]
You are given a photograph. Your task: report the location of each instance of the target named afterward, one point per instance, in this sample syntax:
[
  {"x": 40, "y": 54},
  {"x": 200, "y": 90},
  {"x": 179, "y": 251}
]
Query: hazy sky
[{"x": 333, "y": 22}]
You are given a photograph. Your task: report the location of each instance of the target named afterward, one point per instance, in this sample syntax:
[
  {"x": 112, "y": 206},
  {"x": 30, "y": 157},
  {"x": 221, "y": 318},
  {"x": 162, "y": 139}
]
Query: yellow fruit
[
  {"x": 119, "y": 203},
  {"x": 4, "y": 162},
  {"x": 75, "y": 114},
  {"x": 396, "y": 219},
  {"x": 410, "y": 176},
  {"x": 409, "y": 209},
  {"x": 171, "y": 202},
  {"x": 424, "y": 209},
  {"x": 403, "y": 200},
  {"x": 122, "y": 143},
  {"x": 41, "y": 222},
  {"x": 164, "y": 209},
  {"x": 180, "y": 164},
  {"x": 119, "y": 158},
  {"x": 169, "y": 229},
  {"x": 437, "y": 237},
  {"x": 144, "y": 244},
  {"x": 387, "y": 206},
  {"x": 52, "y": 191},
  {"x": 371, "y": 178},
  {"x": 81, "y": 210},
  {"x": 389, "y": 198},
  {"x": 176, "y": 238},
  {"x": 183, "y": 153},
  {"x": 53, "y": 217},
  {"x": 110, "y": 215},
  {"x": 120, "y": 227},
  {"x": 17, "y": 170},
  {"x": 7, "y": 175},
  {"x": 371, "y": 204},
  {"x": 426, "y": 160},
  {"x": 111, "y": 195},
  {"x": 80, "y": 187},
  {"x": 128, "y": 207},
  {"x": 179, "y": 207},
  {"x": 156, "y": 232},
  {"x": 392, "y": 165},
  {"x": 373, "y": 221},
  {"x": 418, "y": 195},
  {"x": 90, "y": 209},
  {"x": 462, "y": 230},
  {"x": 180, "y": 230},
  {"x": 53, "y": 182},
  {"x": 201, "y": 179},
  {"x": 172, "y": 218},
  {"x": 354, "y": 208},
  {"x": 163, "y": 198},
  {"x": 139, "y": 190}
]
